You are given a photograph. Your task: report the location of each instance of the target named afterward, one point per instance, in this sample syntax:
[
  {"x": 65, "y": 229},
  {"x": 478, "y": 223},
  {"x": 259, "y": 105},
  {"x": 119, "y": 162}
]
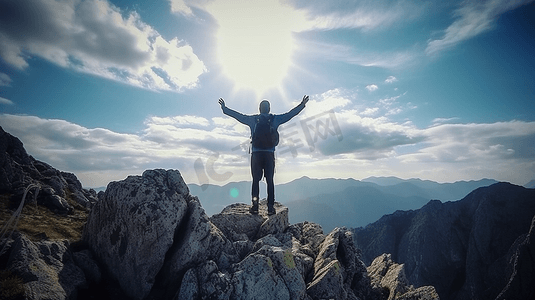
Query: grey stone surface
[
  {"x": 134, "y": 226},
  {"x": 46, "y": 269}
]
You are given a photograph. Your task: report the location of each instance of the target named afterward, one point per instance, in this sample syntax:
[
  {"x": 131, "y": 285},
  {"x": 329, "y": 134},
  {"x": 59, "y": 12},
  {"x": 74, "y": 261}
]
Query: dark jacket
[{"x": 250, "y": 120}]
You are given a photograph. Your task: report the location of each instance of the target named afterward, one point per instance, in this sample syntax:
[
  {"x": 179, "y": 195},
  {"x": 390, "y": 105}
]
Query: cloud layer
[
  {"x": 95, "y": 37},
  {"x": 336, "y": 135}
]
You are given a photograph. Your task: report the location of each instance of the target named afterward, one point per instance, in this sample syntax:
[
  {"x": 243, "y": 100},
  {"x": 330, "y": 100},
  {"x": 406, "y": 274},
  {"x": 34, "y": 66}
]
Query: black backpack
[{"x": 264, "y": 135}]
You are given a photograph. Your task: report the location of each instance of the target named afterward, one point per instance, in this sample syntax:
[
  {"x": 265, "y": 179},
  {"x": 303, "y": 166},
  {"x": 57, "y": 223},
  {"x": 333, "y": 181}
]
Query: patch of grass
[
  {"x": 11, "y": 286},
  {"x": 38, "y": 222}
]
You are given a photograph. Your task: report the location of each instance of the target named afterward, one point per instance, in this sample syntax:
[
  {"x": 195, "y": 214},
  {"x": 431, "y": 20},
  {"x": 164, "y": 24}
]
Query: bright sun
[{"x": 255, "y": 41}]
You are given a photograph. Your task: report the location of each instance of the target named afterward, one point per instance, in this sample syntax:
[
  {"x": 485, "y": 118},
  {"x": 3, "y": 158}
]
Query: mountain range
[
  {"x": 340, "y": 202},
  {"x": 467, "y": 249}
]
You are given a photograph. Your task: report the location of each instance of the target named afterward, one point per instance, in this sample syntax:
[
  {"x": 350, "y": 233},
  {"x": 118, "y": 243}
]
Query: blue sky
[{"x": 438, "y": 90}]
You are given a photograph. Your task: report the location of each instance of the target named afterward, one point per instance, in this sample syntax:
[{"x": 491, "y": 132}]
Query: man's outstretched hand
[
  {"x": 305, "y": 99},
  {"x": 222, "y": 103}
]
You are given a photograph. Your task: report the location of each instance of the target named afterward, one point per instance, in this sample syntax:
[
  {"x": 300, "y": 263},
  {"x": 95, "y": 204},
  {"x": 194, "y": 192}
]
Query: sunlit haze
[{"x": 255, "y": 42}]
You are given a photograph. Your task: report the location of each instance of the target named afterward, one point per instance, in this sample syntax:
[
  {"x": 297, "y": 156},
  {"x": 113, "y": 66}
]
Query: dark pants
[{"x": 263, "y": 163}]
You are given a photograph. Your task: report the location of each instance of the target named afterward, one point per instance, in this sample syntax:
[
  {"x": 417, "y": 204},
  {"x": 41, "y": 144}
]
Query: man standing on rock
[{"x": 264, "y": 138}]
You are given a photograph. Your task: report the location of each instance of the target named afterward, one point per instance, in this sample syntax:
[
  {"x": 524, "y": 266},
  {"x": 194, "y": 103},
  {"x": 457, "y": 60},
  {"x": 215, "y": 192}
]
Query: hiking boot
[
  {"x": 271, "y": 210},
  {"x": 254, "y": 208}
]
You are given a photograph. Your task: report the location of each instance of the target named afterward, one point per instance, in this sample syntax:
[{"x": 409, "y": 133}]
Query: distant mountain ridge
[
  {"x": 463, "y": 248},
  {"x": 341, "y": 202},
  {"x": 438, "y": 191}
]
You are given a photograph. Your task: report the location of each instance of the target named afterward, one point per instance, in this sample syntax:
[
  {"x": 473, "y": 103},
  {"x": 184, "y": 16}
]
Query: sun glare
[{"x": 255, "y": 42}]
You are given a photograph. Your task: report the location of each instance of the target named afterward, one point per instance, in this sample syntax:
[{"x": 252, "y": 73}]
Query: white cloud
[
  {"x": 344, "y": 140},
  {"x": 350, "y": 55},
  {"x": 6, "y": 101},
  {"x": 478, "y": 143},
  {"x": 95, "y": 37},
  {"x": 224, "y": 121},
  {"x": 391, "y": 79},
  {"x": 5, "y": 80},
  {"x": 179, "y": 6},
  {"x": 388, "y": 102},
  {"x": 369, "y": 111},
  {"x": 372, "y": 87},
  {"x": 438, "y": 121},
  {"x": 336, "y": 123},
  {"x": 179, "y": 120},
  {"x": 74, "y": 148},
  {"x": 362, "y": 14},
  {"x": 473, "y": 18},
  {"x": 332, "y": 99}
]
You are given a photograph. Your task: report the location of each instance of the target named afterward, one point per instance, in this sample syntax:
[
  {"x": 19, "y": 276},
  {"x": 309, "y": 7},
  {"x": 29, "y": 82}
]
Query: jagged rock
[
  {"x": 54, "y": 201},
  {"x": 18, "y": 170},
  {"x": 328, "y": 283},
  {"x": 255, "y": 278},
  {"x": 197, "y": 241},
  {"x": 205, "y": 282},
  {"x": 133, "y": 227},
  {"x": 46, "y": 268},
  {"x": 522, "y": 279},
  {"x": 284, "y": 263},
  {"x": 389, "y": 280},
  {"x": 309, "y": 236},
  {"x": 13, "y": 157},
  {"x": 82, "y": 196},
  {"x": 338, "y": 270},
  {"x": 457, "y": 247},
  {"x": 189, "y": 287},
  {"x": 238, "y": 224}
]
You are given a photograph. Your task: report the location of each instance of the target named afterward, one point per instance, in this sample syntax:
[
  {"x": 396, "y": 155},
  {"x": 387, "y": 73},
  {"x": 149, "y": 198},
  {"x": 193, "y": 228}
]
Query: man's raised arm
[
  {"x": 292, "y": 113},
  {"x": 232, "y": 113}
]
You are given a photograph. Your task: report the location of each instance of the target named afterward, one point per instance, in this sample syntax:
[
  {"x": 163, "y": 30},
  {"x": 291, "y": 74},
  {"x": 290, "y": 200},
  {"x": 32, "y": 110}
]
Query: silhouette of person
[{"x": 263, "y": 160}]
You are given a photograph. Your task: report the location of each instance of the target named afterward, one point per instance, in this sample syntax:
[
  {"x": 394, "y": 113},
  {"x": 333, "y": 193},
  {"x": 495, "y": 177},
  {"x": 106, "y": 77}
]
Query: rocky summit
[
  {"x": 155, "y": 240},
  {"x": 149, "y": 238}
]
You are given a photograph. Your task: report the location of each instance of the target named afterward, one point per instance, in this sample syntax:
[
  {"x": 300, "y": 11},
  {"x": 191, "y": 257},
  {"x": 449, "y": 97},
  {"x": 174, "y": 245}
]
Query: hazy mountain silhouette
[
  {"x": 350, "y": 207},
  {"x": 340, "y": 202}
]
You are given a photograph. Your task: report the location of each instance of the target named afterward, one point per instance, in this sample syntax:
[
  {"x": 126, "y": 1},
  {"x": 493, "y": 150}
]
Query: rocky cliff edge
[
  {"x": 148, "y": 238},
  {"x": 158, "y": 243}
]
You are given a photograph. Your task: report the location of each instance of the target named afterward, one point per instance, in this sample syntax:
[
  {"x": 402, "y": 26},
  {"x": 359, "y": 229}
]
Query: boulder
[
  {"x": 284, "y": 263},
  {"x": 338, "y": 270},
  {"x": 388, "y": 279},
  {"x": 238, "y": 224},
  {"x": 205, "y": 282},
  {"x": 47, "y": 269},
  {"x": 132, "y": 228},
  {"x": 256, "y": 278},
  {"x": 197, "y": 241}
]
